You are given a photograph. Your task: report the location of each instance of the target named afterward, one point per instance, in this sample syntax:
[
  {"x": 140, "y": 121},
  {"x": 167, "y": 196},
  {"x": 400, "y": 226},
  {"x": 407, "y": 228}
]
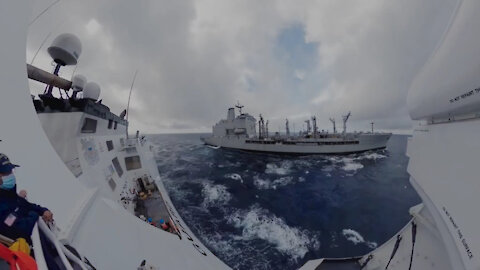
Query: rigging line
[
  {"x": 414, "y": 235},
  {"x": 39, "y": 48},
  {"x": 395, "y": 248},
  {"x": 129, "y": 95},
  {"x": 41, "y": 13}
]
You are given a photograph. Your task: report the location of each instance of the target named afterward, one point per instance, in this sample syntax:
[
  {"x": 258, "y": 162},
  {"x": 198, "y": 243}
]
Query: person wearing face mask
[{"x": 17, "y": 215}]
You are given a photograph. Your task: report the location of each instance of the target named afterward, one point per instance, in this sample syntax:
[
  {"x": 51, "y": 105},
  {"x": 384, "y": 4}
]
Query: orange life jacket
[{"x": 17, "y": 259}]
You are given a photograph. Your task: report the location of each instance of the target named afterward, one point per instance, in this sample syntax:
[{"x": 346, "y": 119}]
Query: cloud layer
[{"x": 280, "y": 58}]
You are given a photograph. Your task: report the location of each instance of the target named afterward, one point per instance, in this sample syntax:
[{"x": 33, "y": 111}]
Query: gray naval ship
[{"x": 240, "y": 132}]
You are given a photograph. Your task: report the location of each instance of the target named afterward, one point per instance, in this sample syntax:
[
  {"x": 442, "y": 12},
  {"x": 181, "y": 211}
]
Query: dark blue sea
[{"x": 263, "y": 211}]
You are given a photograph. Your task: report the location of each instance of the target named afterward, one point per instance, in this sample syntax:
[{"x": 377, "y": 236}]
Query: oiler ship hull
[{"x": 304, "y": 146}]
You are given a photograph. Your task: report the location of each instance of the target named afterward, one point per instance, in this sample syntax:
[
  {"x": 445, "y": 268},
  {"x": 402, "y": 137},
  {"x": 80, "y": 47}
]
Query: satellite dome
[
  {"x": 91, "y": 91},
  {"x": 79, "y": 82},
  {"x": 65, "y": 49}
]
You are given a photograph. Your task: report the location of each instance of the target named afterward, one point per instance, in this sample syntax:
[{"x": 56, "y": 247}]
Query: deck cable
[
  {"x": 366, "y": 261},
  {"x": 414, "y": 235},
  {"x": 394, "y": 251}
]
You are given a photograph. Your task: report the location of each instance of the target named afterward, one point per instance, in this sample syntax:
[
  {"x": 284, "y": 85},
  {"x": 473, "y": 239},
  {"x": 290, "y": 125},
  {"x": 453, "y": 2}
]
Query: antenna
[
  {"x": 334, "y": 128},
  {"x": 65, "y": 50},
  {"x": 239, "y": 107},
  {"x": 345, "y": 119},
  {"x": 129, "y": 95}
]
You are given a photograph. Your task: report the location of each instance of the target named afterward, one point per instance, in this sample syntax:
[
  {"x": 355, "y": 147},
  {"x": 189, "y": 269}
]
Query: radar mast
[
  {"x": 239, "y": 107},
  {"x": 345, "y": 119}
]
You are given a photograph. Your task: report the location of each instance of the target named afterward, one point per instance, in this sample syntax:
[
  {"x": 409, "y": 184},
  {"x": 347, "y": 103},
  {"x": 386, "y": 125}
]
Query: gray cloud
[{"x": 197, "y": 58}]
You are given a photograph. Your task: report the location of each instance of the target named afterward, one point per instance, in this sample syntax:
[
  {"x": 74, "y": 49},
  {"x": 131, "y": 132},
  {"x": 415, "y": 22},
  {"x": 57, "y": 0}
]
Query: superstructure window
[
  {"x": 110, "y": 123},
  {"x": 133, "y": 163},
  {"x": 117, "y": 166},
  {"x": 89, "y": 125},
  {"x": 109, "y": 145},
  {"x": 112, "y": 184},
  {"x": 115, "y": 125}
]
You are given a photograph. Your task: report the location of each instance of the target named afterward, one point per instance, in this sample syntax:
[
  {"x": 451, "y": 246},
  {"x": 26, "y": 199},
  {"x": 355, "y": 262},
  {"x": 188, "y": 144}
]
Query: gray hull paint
[{"x": 366, "y": 142}]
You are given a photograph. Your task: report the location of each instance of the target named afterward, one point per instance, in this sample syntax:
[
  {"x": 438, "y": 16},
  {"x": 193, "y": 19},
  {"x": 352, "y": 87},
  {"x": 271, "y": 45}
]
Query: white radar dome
[
  {"x": 65, "y": 49},
  {"x": 91, "y": 91},
  {"x": 79, "y": 82}
]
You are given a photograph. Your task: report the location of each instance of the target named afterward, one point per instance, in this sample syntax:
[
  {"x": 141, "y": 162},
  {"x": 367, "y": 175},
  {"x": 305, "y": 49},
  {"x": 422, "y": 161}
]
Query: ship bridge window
[
  {"x": 109, "y": 145},
  {"x": 110, "y": 123},
  {"x": 117, "y": 166},
  {"x": 115, "y": 125},
  {"x": 89, "y": 125},
  {"x": 133, "y": 163}
]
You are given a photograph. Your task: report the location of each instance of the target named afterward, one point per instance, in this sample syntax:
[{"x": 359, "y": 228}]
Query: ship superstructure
[
  {"x": 241, "y": 133},
  {"x": 102, "y": 185}
]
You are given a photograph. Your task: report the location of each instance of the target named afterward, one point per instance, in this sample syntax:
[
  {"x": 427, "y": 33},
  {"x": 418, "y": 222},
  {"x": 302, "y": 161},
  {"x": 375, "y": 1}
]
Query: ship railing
[{"x": 63, "y": 253}]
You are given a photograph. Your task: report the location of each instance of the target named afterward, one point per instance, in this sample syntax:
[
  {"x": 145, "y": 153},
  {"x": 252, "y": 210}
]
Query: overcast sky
[{"x": 284, "y": 59}]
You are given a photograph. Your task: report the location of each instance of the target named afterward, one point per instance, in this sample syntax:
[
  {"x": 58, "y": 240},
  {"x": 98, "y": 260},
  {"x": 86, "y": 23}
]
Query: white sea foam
[
  {"x": 234, "y": 176},
  {"x": 350, "y": 165},
  {"x": 215, "y": 195},
  {"x": 371, "y": 156},
  {"x": 261, "y": 183},
  {"x": 283, "y": 181},
  {"x": 357, "y": 238},
  {"x": 283, "y": 169},
  {"x": 267, "y": 184},
  {"x": 259, "y": 223}
]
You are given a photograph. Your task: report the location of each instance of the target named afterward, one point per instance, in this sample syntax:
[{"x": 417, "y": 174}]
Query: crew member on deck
[{"x": 17, "y": 215}]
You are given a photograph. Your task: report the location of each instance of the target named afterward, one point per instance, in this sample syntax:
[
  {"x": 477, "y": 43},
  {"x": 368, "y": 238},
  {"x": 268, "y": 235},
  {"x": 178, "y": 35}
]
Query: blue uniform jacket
[{"x": 27, "y": 214}]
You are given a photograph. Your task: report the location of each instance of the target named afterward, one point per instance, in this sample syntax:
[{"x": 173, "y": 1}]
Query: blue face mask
[{"x": 8, "y": 181}]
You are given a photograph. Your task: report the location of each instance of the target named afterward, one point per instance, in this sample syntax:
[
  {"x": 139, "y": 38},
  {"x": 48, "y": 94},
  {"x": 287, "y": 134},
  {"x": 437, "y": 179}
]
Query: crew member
[{"x": 17, "y": 215}]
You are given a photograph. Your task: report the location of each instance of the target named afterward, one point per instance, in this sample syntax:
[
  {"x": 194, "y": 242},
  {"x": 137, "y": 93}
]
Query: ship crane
[
  {"x": 308, "y": 126},
  {"x": 266, "y": 129},
  {"x": 287, "y": 129},
  {"x": 314, "y": 122},
  {"x": 345, "y": 119},
  {"x": 334, "y": 127},
  {"x": 239, "y": 107},
  {"x": 261, "y": 127}
]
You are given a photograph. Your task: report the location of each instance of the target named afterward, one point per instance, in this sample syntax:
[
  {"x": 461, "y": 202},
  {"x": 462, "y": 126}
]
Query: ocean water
[{"x": 263, "y": 211}]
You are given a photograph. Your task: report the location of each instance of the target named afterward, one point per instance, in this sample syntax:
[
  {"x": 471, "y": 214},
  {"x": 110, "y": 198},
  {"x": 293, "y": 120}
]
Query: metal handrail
[
  {"x": 6, "y": 240},
  {"x": 66, "y": 251},
  {"x": 37, "y": 247},
  {"x": 49, "y": 234}
]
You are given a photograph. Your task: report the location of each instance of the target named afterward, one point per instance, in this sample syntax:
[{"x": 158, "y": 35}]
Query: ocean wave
[
  {"x": 238, "y": 254},
  {"x": 352, "y": 166},
  {"x": 357, "y": 238},
  {"x": 267, "y": 184},
  {"x": 283, "y": 169},
  {"x": 234, "y": 176},
  {"x": 371, "y": 156},
  {"x": 259, "y": 223},
  {"x": 215, "y": 195},
  {"x": 347, "y": 164}
]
